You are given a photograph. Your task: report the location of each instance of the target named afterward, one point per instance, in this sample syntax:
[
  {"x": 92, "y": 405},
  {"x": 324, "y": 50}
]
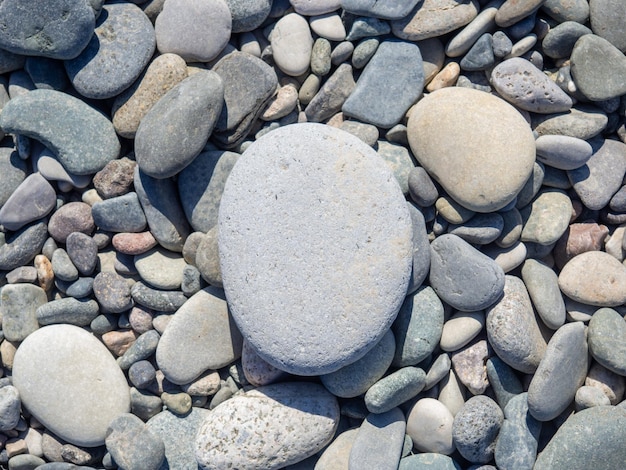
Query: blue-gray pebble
[
  {"x": 22, "y": 246},
  {"x": 119, "y": 214},
  {"x": 31, "y": 200}
]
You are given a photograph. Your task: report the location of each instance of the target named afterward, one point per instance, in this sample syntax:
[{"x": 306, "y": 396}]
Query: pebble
[
  {"x": 496, "y": 119},
  {"x": 560, "y": 373},
  {"x": 469, "y": 365},
  {"x": 610, "y": 383},
  {"x": 49, "y": 366},
  {"x": 475, "y": 429},
  {"x": 10, "y": 404},
  {"x": 182, "y": 354},
  {"x": 605, "y": 17},
  {"x": 330, "y": 98},
  {"x": 428, "y": 460},
  {"x": 194, "y": 30},
  {"x": 563, "y": 152},
  {"x": 434, "y": 18},
  {"x": 21, "y": 247},
  {"x": 155, "y": 299},
  {"x": 512, "y": 328},
  {"x": 175, "y": 431},
  {"x": 242, "y": 295},
  {"x": 113, "y": 292},
  {"x": 297, "y": 420},
  {"x": 145, "y": 406},
  {"x": 455, "y": 265},
  {"x": 391, "y": 11},
  {"x": 379, "y": 441},
  {"x": 142, "y": 348},
  {"x": 367, "y": 133},
  {"x": 62, "y": 266},
  {"x": 363, "y": 52},
  {"x": 596, "y": 67},
  {"x": 364, "y": 27},
  {"x": 66, "y": 116},
  {"x": 521, "y": 83},
  {"x": 133, "y": 445},
  {"x": 61, "y": 29},
  {"x": 481, "y": 229},
  {"x": 115, "y": 178},
  {"x": 577, "y": 239},
  {"x": 605, "y": 337},
  {"x": 421, "y": 187},
  {"x": 511, "y": 11},
  {"x": 337, "y": 454},
  {"x": 547, "y": 217},
  {"x": 560, "y": 40},
  {"x": 480, "y": 56},
  {"x": 543, "y": 288},
  {"x": 603, "y": 286},
  {"x": 286, "y": 99},
  {"x": 292, "y": 44},
  {"x": 69, "y": 218},
  {"x": 388, "y": 66},
  {"x": 79, "y": 312},
  {"x": 13, "y": 170},
  {"x": 518, "y": 438},
  {"x": 587, "y": 397},
  {"x": 122, "y": 44},
  {"x": 246, "y": 15},
  {"x": 429, "y": 423},
  {"x": 23, "y": 274},
  {"x": 160, "y": 268},
  {"x": 355, "y": 379},
  {"x": 208, "y": 260},
  {"x": 599, "y": 427},
  {"x": 33, "y": 199},
  {"x": 394, "y": 389},
  {"x": 18, "y": 305},
  {"x": 328, "y": 26},
  {"x": 460, "y": 329},
  {"x": 421, "y": 250},
  {"x": 463, "y": 41},
  {"x": 133, "y": 243},
  {"x": 82, "y": 251}
]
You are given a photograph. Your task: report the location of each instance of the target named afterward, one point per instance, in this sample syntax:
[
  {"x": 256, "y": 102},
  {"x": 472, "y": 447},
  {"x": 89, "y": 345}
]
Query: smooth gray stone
[
  {"x": 567, "y": 10},
  {"x": 561, "y": 372},
  {"x": 521, "y": 83},
  {"x": 601, "y": 177},
  {"x": 502, "y": 44},
  {"x": 598, "y": 68},
  {"x": 82, "y": 287},
  {"x": 143, "y": 347},
  {"x": 103, "y": 324},
  {"x": 560, "y": 40},
  {"x": 543, "y": 287},
  {"x": 159, "y": 300},
  {"x": 54, "y": 118},
  {"x": 583, "y": 121},
  {"x": 532, "y": 186},
  {"x": 385, "y": 10},
  {"x": 512, "y": 328},
  {"x": 618, "y": 201},
  {"x": 369, "y": 134},
  {"x": 524, "y": 25},
  {"x": 597, "y": 434},
  {"x": 518, "y": 439},
  {"x": 341, "y": 53},
  {"x": 175, "y": 130},
  {"x": 606, "y": 335},
  {"x": 119, "y": 214},
  {"x": 132, "y": 445},
  {"x": 332, "y": 95},
  {"x": 59, "y": 29},
  {"x": 248, "y": 15},
  {"x": 480, "y": 56},
  {"x": 112, "y": 292},
  {"x": 418, "y": 327},
  {"x": 18, "y": 306},
  {"x": 475, "y": 428},
  {"x": 46, "y": 73},
  {"x": 22, "y": 246},
  {"x": 481, "y": 229},
  {"x": 395, "y": 389},
  {"x": 462, "y": 276},
  {"x": 79, "y": 312},
  {"x": 356, "y": 378},
  {"x": 399, "y": 159},
  {"x": 141, "y": 374},
  {"x": 378, "y": 443},
  {"x": 23, "y": 274},
  {"x": 438, "y": 370},
  {"x": 607, "y": 21},
  {"x": 83, "y": 252},
  {"x": 588, "y": 396},
  {"x": 388, "y": 86},
  {"x": 421, "y": 187},
  {"x": 175, "y": 430},
  {"x": 145, "y": 405},
  {"x": 503, "y": 380},
  {"x": 62, "y": 266},
  {"x": 200, "y": 186},
  {"x": 563, "y": 152},
  {"x": 208, "y": 259},
  {"x": 421, "y": 250},
  {"x": 428, "y": 461},
  {"x": 363, "y": 52},
  {"x": 162, "y": 208},
  {"x": 192, "y": 280},
  {"x": 119, "y": 50},
  {"x": 13, "y": 171},
  {"x": 546, "y": 219},
  {"x": 248, "y": 84},
  {"x": 25, "y": 462},
  {"x": 366, "y": 27}
]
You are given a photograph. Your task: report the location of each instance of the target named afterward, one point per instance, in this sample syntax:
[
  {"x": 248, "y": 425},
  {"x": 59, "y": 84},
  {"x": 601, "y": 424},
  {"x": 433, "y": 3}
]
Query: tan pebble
[
  {"x": 91, "y": 196},
  {"x": 133, "y": 243},
  {"x": 7, "y": 351},
  {"x": 45, "y": 275},
  {"x": 446, "y": 77},
  {"x": 131, "y": 106},
  {"x": 118, "y": 342},
  {"x": 205, "y": 385},
  {"x": 16, "y": 447},
  {"x": 282, "y": 104},
  {"x": 336, "y": 121}
]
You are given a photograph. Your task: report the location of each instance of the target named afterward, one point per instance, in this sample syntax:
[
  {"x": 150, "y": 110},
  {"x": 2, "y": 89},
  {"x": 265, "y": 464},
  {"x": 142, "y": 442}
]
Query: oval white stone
[
  {"x": 315, "y": 247},
  {"x": 71, "y": 383}
]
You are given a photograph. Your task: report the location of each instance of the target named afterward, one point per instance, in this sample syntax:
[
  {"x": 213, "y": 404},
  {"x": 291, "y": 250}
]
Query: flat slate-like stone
[
  {"x": 22, "y": 246},
  {"x": 449, "y": 129},
  {"x": 597, "y": 434},
  {"x": 433, "y": 18},
  {"x": 606, "y": 334},
  {"x": 561, "y": 372},
  {"x": 462, "y": 276},
  {"x": 379, "y": 441},
  {"x": 61, "y": 361},
  {"x": 390, "y": 83},
  {"x": 201, "y": 336},
  {"x": 121, "y": 47},
  {"x": 18, "y": 305},
  {"x": 315, "y": 195},
  {"x": 54, "y": 118},
  {"x": 543, "y": 287},
  {"x": 373, "y": 8},
  {"x": 31, "y": 200},
  {"x": 173, "y": 133},
  {"x": 119, "y": 214},
  {"x": 160, "y": 268},
  {"x": 480, "y": 56},
  {"x": 582, "y": 121},
  {"x": 518, "y": 81},
  {"x": 332, "y": 95},
  {"x": 59, "y": 29},
  {"x": 296, "y": 419}
]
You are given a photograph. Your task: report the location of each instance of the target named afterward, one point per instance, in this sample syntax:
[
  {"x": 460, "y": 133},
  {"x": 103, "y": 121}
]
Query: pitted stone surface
[{"x": 300, "y": 203}]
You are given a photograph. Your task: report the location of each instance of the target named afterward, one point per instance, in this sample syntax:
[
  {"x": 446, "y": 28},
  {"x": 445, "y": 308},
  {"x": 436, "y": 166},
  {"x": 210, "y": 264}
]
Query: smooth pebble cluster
[{"x": 294, "y": 234}]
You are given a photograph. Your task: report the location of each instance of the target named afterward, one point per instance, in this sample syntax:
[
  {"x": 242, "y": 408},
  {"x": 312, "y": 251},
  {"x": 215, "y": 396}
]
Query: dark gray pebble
[
  {"x": 133, "y": 445},
  {"x": 159, "y": 300},
  {"x": 83, "y": 251},
  {"x": 22, "y": 246},
  {"x": 141, "y": 374},
  {"x": 120, "y": 214},
  {"x": 141, "y": 349},
  {"x": 79, "y": 312}
]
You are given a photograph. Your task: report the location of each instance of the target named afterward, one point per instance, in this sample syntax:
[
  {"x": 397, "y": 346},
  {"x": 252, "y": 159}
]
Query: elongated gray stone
[
  {"x": 31, "y": 200},
  {"x": 384, "y": 10},
  {"x": 395, "y": 389},
  {"x": 543, "y": 287},
  {"x": 379, "y": 441},
  {"x": 560, "y": 40},
  {"x": 173, "y": 133},
  {"x": 333, "y": 94},
  {"x": 22, "y": 246},
  {"x": 79, "y": 312},
  {"x": 55, "y": 118},
  {"x": 606, "y": 335},
  {"x": 563, "y": 152},
  {"x": 119, "y": 214}
]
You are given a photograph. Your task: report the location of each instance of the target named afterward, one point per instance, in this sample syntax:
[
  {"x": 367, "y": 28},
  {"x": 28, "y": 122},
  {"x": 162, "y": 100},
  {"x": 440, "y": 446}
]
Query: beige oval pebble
[
  {"x": 161, "y": 268},
  {"x": 460, "y": 329},
  {"x": 282, "y": 104},
  {"x": 292, "y": 44},
  {"x": 430, "y": 426},
  {"x": 477, "y": 146},
  {"x": 131, "y": 106},
  {"x": 594, "y": 278}
]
